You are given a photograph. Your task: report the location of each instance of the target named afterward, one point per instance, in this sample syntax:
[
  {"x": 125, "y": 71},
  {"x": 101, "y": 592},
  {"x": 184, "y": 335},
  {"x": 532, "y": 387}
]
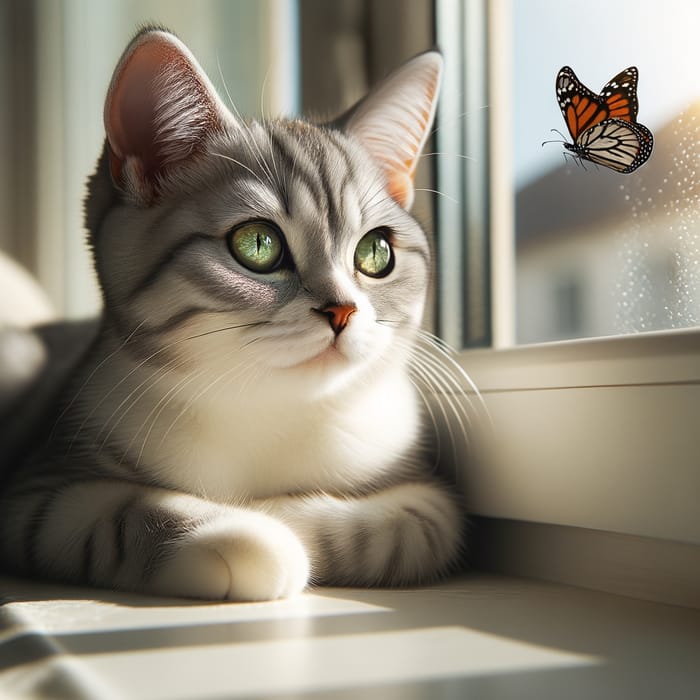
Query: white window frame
[{"x": 600, "y": 433}]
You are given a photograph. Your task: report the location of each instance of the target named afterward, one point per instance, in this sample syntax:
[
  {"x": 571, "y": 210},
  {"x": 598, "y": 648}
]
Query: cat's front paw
[{"x": 245, "y": 556}]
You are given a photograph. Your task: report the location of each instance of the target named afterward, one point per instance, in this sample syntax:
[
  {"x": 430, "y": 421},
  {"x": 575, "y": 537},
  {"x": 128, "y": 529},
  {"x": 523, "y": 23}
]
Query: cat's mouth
[{"x": 328, "y": 356}]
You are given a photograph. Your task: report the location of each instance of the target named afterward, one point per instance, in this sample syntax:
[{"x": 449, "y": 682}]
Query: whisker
[
  {"x": 425, "y": 376},
  {"x": 450, "y": 155},
  {"x": 250, "y": 141},
  {"x": 280, "y": 184},
  {"x": 257, "y": 153},
  {"x": 447, "y": 353},
  {"x": 421, "y": 391},
  {"x": 195, "y": 398},
  {"x": 89, "y": 378},
  {"x": 441, "y": 382},
  {"x": 232, "y": 103},
  {"x": 226, "y": 328},
  {"x": 442, "y": 194},
  {"x": 146, "y": 385},
  {"x": 430, "y": 375},
  {"x": 431, "y": 414},
  {"x": 160, "y": 407},
  {"x": 153, "y": 384},
  {"x": 456, "y": 119},
  {"x": 242, "y": 165},
  {"x": 138, "y": 366},
  {"x": 437, "y": 358},
  {"x": 447, "y": 384},
  {"x": 262, "y": 91}
]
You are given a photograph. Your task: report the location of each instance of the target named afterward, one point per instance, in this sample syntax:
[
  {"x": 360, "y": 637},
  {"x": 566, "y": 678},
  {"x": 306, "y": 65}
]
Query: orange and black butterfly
[{"x": 604, "y": 127}]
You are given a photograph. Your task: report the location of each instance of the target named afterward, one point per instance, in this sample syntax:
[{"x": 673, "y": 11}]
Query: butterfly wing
[
  {"x": 620, "y": 95},
  {"x": 617, "y": 144},
  {"x": 581, "y": 107}
]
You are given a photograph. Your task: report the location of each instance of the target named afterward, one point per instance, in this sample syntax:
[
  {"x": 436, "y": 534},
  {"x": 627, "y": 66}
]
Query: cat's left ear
[{"x": 393, "y": 121}]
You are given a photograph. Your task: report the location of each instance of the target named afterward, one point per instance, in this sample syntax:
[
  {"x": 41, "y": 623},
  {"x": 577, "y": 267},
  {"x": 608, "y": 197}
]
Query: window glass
[{"x": 600, "y": 252}]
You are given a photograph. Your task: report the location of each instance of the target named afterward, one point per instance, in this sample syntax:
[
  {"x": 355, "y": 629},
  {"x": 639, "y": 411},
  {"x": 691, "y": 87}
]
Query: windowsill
[
  {"x": 478, "y": 634},
  {"x": 662, "y": 357},
  {"x": 599, "y": 434}
]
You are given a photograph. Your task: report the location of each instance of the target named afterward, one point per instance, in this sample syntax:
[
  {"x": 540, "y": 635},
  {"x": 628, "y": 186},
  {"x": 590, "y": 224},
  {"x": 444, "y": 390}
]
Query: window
[
  {"x": 599, "y": 432},
  {"x": 632, "y": 238},
  {"x": 623, "y": 229},
  {"x": 569, "y": 302}
]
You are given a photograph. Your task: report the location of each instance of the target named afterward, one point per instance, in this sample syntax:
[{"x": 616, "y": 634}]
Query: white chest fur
[{"x": 253, "y": 447}]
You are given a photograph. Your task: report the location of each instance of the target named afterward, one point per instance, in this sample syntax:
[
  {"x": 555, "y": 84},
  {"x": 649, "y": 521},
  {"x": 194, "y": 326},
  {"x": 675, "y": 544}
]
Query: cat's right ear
[{"x": 160, "y": 107}]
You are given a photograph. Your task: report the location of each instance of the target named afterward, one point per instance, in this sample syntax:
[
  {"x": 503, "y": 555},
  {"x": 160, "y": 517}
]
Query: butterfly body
[{"x": 603, "y": 126}]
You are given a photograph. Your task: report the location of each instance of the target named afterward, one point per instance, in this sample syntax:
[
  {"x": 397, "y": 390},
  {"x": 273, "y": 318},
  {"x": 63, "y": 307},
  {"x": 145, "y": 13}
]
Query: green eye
[
  {"x": 373, "y": 255},
  {"x": 257, "y": 245}
]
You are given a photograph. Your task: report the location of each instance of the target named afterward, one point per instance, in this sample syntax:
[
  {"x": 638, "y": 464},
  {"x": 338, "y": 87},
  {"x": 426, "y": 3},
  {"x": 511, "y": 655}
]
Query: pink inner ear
[
  {"x": 394, "y": 121},
  {"x": 159, "y": 109},
  {"x": 400, "y": 186},
  {"x": 132, "y": 106}
]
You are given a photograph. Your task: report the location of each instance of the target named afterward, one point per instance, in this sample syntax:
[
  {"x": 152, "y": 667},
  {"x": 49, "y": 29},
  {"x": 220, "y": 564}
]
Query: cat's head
[{"x": 259, "y": 249}]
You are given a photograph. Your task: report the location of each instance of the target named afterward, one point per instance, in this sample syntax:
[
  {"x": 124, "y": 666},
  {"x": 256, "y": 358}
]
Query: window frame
[{"x": 597, "y": 433}]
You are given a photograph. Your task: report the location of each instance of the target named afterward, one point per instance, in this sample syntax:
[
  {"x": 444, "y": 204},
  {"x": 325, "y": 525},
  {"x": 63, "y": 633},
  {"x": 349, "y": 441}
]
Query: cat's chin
[
  {"x": 326, "y": 356},
  {"x": 333, "y": 358},
  {"x": 328, "y": 359},
  {"x": 323, "y": 373}
]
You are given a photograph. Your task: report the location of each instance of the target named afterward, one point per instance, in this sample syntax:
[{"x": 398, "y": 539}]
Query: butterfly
[{"x": 604, "y": 127}]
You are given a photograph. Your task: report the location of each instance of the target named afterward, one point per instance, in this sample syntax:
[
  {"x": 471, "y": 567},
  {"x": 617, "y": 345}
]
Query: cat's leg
[
  {"x": 405, "y": 534},
  {"x": 152, "y": 540}
]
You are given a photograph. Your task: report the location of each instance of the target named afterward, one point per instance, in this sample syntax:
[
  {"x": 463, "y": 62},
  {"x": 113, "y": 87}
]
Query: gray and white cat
[{"x": 245, "y": 422}]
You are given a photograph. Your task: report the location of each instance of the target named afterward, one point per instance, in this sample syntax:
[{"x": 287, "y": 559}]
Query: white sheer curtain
[{"x": 66, "y": 64}]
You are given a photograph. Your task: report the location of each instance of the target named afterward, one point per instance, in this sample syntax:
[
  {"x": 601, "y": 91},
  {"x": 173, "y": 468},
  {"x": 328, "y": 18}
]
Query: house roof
[{"x": 571, "y": 197}]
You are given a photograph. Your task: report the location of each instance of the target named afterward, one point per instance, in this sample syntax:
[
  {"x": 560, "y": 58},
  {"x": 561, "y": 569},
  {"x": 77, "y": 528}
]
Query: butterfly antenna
[{"x": 556, "y": 131}]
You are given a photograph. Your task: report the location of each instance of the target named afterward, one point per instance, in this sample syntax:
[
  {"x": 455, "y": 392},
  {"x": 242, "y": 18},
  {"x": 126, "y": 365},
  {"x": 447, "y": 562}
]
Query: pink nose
[{"x": 338, "y": 315}]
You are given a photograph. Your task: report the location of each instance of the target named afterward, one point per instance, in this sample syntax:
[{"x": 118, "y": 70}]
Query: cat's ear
[
  {"x": 159, "y": 109},
  {"x": 394, "y": 120}
]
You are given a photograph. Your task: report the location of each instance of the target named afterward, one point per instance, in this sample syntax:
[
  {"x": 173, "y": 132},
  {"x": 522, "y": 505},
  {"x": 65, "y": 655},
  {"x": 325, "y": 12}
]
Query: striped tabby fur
[{"x": 220, "y": 438}]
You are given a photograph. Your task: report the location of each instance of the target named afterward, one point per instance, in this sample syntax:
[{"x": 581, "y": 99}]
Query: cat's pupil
[
  {"x": 373, "y": 255},
  {"x": 257, "y": 246}
]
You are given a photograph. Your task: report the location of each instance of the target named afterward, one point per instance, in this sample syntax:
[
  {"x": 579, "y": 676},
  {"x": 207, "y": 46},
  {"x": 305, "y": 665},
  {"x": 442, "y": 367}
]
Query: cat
[{"x": 244, "y": 423}]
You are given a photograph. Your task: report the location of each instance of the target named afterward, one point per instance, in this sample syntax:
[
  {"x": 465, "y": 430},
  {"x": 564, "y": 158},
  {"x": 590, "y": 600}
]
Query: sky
[{"x": 598, "y": 39}]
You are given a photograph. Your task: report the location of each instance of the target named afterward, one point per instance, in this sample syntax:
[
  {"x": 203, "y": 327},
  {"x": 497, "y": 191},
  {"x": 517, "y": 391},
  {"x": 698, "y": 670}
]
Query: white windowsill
[
  {"x": 479, "y": 635},
  {"x": 600, "y": 434},
  {"x": 663, "y": 357}
]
